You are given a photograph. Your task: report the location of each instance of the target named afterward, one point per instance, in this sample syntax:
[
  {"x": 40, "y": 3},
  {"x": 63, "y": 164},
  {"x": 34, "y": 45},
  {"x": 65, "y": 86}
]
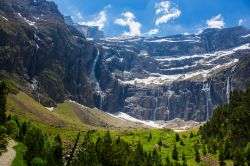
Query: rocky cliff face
[
  {"x": 172, "y": 77},
  {"x": 52, "y": 58}
]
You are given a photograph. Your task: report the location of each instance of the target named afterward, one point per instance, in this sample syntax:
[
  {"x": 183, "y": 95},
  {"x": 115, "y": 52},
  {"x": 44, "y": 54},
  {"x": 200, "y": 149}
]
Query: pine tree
[
  {"x": 3, "y": 94},
  {"x": 156, "y": 158},
  {"x": 204, "y": 149},
  {"x": 175, "y": 153},
  {"x": 58, "y": 151},
  {"x": 183, "y": 156},
  {"x": 247, "y": 153},
  {"x": 168, "y": 163},
  {"x": 184, "y": 159},
  {"x": 191, "y": 135},
  {"x": 150, "y": 137},
  {"x": 107, "y": 149},
  {"x": 34, "y": 141},
  {"x": 221, "y": 157},
  {"x": 160, "y": 142},
  {"x": 238, "y": 158},
  {"x": 197, "y": 154},
  {"x": 177, "y": 137}
]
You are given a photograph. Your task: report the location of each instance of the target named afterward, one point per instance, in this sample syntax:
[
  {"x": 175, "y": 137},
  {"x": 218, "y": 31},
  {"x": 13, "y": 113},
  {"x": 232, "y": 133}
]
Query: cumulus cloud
[
  {"x": 100, "y": 20},
  {"x": 166, "y": 12},
  {"x": 216, "y": 22},
  {"x": 152, "y": 32},
  {"x": 240, "y": 22},
  {"x": 128, "y": 19}
]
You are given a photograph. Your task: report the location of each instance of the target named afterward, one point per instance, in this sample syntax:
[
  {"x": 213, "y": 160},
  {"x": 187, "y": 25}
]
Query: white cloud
[
  {"x": 240, "y": 22},
  {"x": 99, "y": 21},
  {"x": 216, "y": 22},
  {"x": 79, "y": 15},
  {"x": 152, "y": 32},
  {"x": 167, "y": 13},
  {"x": 128, "y": 19}
]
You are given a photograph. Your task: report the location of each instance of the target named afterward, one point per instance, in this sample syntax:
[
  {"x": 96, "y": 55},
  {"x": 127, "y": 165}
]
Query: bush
[
  {"x": 38, "y": 162},
  {"x": 12, "y": 129},
  {"x": 20, "y": 153}
]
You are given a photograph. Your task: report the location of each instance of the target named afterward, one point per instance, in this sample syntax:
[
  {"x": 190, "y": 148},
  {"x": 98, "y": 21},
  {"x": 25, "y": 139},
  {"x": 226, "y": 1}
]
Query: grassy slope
[
  {"x": 66, "y": 119},
  {"x": 28, "y": 109}
]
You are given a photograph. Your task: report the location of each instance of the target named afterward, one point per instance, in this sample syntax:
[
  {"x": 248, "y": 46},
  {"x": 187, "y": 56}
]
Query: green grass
[
  {"x": 20, "y": 152},
  {"x": 66, "y": 111}
]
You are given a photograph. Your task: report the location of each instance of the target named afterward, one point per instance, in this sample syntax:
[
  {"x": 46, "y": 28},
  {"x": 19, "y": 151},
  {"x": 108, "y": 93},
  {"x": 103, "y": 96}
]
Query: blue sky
[{"x": 157, "y": 17}]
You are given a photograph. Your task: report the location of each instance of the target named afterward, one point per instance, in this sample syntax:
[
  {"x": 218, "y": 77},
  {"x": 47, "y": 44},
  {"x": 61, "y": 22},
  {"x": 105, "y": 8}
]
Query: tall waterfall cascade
[
  {"x": 98, "y": 89},
  {"x": 207, "y": 88},
  {"x": 156, "y": 102},
  {"x": 170, "y": 93},
  {"x": 228, "y": 89}
]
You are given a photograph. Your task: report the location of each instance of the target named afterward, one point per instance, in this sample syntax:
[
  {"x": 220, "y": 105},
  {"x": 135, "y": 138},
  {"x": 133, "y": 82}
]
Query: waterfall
[
  {"x": 206, "y": 88},
  {"x": 156, "y": 102},
  {"x": 98, "y": 89},
  {"x": 170, "y": 93},
  {"x": 228, "y": 89},
  {"x": 145, "y": 89}
]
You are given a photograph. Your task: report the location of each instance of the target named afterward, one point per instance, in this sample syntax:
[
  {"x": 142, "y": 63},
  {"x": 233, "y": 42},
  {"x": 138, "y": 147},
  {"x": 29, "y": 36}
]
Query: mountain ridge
[{"x": 144, "y": 77}]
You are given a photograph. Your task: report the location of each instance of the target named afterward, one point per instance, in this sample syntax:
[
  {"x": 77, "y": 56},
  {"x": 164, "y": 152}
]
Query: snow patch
[
  {"x": 124, "y": 116},
  {"x": 31, "y": 23},
  {"x": 50, "y": 108},
  {"x": 245, "y": 36},
  {"x": 4, "y": 18},
  {"x": 74, "y": 102}
]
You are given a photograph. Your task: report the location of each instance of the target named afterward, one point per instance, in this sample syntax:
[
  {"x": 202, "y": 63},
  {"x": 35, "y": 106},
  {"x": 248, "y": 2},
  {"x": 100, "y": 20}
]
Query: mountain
[
  {"x": 44, "y": 56},
  {"x": 181, "y": 76},
  {"x": 87, "y": 31},
  {"x": 160, "y": 78}
]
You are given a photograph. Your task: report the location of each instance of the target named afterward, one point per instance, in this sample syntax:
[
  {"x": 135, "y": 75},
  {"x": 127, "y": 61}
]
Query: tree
[
  {"x": 107, "y": 149},
  {"x": 58, "y": 150},
  {"x": 247, "y": 153},
  {"x": 175, "y": 153},
  {"x": 38, "y": 162},
  {"x": 150, "y": 137},
  {"x": 177, "y": 137},
  {"x": 168, "y": 163},
  {"x": 184, "y": 159},
  {"x": 197, "y": 154},
  {"x": 238, "y": 158},
  {"x": 160, "y": 142},
  {"x": 139, "y": 154},
  {"x": 3, "y": 94},
  {"x": 204, "y": 149},
  {"x": 156, "y": 158},
  {"x": 34, "y": 141},
  {"x": 12, "y": 129},
  {"x": 182, "y": 143},
  {"x": 191, "y": 135},
  {"x": 183, "y": 156},
  {"x": 221, "y": 157}
]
